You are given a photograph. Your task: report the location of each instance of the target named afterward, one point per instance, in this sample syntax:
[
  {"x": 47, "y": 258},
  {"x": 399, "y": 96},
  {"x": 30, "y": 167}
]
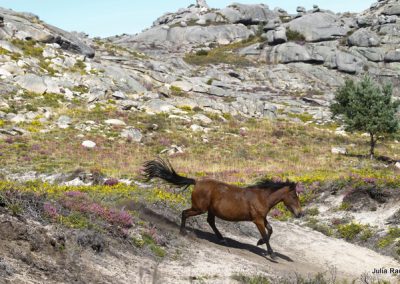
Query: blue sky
[{"x": 105, "y": 17}]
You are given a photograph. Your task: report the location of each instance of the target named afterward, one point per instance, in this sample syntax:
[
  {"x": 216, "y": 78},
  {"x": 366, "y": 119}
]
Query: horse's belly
[{"x": 228, "y": 212}]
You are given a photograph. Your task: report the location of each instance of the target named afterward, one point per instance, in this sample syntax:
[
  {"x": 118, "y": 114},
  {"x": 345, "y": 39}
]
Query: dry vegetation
[{"x": 236, "y": 151}]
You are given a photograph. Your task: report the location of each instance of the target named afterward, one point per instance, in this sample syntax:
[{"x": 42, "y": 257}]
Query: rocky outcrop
[
  {"x": 198, "y": 34},
  {"x": 319, "y": 26},
  {"x": 364, "y": 38},
  {"x": 248, "y": 14},
  {"x": 28, "y": 26},
  {"x": 294, "y": 65},
  {"x": 198, "y": 25}
]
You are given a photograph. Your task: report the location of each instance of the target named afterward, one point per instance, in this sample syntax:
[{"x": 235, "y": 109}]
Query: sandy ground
[{"x": 299, "y": 250}]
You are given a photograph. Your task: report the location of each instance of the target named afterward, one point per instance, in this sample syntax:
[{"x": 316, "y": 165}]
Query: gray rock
[
  {"x": 364, "y": 38},
  {"x": 183, "y": 85},
  {"x": 289, "y": 52},
  {"x": 316, "y": 9},
  {"x": 64, "y": 121},
  {"x": 348, "y": 63},
  {"x": 196, "y": 128},
  {"x": 270, "y": 111},
  {"x": 253, "y": 14},
  {"x": 392, "y": 56},
  {"x": 372, "y": 54},
  {"x": 272, "y": 24},
  {"x": 10, "y": 47},
  {"x": 119, "y": 95},
  {"x": 115, "y": 122},
  {"x": 158, "y": 106},
  {"x": 32, "y": 83},
  {"x": 301, "y": 9},
  {"x": 174, "y": 149},
  {"x": 124, "y": 80},
  {"x": 339, "y": 150},
  {"x": 250, "y": 50},
  {"x": 203, "y": 118},
  {"x": 49, "y": 52},
  {"x": 202, "y": 4},
  {"x": 128, "y": 104},
  {"x": 392, "y": 9},
  {"x": 132, "y": 134},
  {"x": 69, "y": 41},
  {"x": 88, "y": 144},
  {"x": 318, "y": 26},
  {"x": 18, "y": 118},
  {"x": 217, "y": 91},
  {"x": 277, "y": 36}
]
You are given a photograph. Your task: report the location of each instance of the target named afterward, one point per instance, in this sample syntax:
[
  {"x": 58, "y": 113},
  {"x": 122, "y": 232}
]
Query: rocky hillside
[
  {"x": 306, "y": 55},
  {"x": 270, "y": 64}
]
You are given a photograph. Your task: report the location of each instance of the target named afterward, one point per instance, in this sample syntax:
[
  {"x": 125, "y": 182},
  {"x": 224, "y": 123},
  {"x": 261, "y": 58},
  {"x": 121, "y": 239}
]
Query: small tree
[{"x": 366, "y": 106}]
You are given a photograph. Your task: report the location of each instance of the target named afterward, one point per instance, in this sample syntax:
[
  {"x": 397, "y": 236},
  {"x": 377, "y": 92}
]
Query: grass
[
  {"x": 282, "y": 149},
  {"x": 223, "y": 54},
  {"x": 79, "y": 67},
  {"x": 152, "y": 245},
  {"x": 30, "y": 47}
]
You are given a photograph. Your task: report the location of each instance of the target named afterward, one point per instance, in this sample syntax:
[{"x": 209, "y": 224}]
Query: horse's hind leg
[
  {"x": 261, "y": 228},
  {"x": 211, "y": 221},
  {"x": 186, "y": 214}
]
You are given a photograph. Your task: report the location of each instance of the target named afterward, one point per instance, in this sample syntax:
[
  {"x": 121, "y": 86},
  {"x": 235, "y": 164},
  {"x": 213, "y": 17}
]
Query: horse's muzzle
[{"x": 299, "y": 215}]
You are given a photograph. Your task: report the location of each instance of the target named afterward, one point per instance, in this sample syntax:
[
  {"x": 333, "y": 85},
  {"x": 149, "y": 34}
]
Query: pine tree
[{"x": 368, "y": 107}]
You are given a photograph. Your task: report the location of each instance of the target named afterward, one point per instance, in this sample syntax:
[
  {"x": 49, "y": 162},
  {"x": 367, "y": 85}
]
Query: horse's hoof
[
  {"x": 260, "y": 242},
  {"x": 223, "y": 242},
  {"x": 272, "y": 255},
  {"x": 183, "y": 232}
]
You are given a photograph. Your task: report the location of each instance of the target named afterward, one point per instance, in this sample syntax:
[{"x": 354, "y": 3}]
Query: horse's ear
[{"x": 299, "y": 187}]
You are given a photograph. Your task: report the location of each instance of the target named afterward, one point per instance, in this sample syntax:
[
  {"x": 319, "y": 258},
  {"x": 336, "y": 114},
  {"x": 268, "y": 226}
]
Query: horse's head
[{"x": 292, "y": 201}]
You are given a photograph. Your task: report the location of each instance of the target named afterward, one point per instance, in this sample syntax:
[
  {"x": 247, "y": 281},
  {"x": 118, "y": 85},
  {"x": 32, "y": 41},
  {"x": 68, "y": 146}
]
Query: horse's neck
[{"x": 274, "y": 197}]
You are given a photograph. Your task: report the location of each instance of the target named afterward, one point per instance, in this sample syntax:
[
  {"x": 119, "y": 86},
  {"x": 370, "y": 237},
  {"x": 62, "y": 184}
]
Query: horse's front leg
[
  {"x": 266, "y": 241},
  {"x": 265, "y": 238}
]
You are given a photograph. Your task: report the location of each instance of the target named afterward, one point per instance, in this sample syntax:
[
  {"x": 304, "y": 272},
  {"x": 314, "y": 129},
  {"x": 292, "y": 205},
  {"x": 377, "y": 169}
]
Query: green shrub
[
  {"x": 29, "y": 47},
  {"x": 294, "y": 35},
  {"x": 345, "y": 206},
  {"x": 366, "y": 234},
  {"x": 393, "y": 234},
  {"x": 350, "y": 231},
  {"x": 176, "y": 91},
  {"x": 75, "y": 220},
  {"x": 202, "y": 52},
  {"x": 255, "y": 279},
  {"x": 319, "y": 227},
  {"x": 313, "y": 211},
  {"x": 80, "y": 89}
]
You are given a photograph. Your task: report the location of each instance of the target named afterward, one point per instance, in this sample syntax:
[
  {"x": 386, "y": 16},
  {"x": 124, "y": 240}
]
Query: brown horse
[{"x": 229, "y": 202}]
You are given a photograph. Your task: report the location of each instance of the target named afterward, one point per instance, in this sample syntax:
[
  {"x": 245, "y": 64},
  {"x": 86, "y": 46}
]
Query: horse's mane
[{"x": 271, "y": 184}]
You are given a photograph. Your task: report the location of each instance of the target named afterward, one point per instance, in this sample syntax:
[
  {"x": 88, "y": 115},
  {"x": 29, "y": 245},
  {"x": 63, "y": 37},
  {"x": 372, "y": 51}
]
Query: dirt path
[{"x": 300, "y": 250}]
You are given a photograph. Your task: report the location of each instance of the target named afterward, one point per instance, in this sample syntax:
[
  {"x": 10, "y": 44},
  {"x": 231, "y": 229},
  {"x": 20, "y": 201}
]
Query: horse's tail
[{"x": 164, "y": 170}]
